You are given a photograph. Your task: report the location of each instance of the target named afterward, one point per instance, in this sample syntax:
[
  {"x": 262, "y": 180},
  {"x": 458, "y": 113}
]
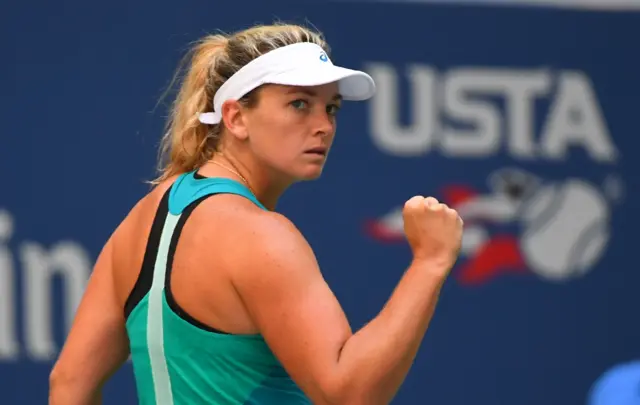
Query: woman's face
[{"x": 291, "y": 129}]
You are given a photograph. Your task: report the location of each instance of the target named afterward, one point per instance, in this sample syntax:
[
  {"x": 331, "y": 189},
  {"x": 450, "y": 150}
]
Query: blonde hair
[{"x": 187, "y": 143}]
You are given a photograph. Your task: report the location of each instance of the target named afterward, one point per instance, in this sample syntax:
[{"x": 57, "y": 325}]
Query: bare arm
[
  {"x": 381, "y": 353},
  {"x": 97, "y": 344},
  {"x": 304, "y": 325}
]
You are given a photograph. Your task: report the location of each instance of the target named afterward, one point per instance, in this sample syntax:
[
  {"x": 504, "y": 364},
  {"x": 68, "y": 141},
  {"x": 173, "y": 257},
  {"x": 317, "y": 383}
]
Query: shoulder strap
[
  {"x": 188, "y": 189},
  {"x": 155, "y": 324}
]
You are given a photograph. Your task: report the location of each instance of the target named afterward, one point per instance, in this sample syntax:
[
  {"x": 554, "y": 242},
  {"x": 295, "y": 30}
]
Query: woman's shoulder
[
  {"x": 254, "y": 229},
  {"x": 241, "y": 214},
  {"x": 143, "y": 210}
]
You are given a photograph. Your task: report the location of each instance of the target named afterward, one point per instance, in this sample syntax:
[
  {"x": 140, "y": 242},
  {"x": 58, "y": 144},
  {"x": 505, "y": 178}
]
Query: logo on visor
[{"x": 324, "y": 57}]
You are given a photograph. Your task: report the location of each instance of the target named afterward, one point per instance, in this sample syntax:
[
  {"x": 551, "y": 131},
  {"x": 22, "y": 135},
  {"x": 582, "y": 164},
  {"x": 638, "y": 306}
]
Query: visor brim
[{"x": 353, "y": 85}]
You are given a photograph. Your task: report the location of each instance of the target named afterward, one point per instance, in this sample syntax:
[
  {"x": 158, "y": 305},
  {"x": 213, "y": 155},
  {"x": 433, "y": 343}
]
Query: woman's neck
[{"x": 259, "y": 181}]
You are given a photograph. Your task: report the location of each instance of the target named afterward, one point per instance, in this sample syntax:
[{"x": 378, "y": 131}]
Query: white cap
[{"x": 300, "y": 64}]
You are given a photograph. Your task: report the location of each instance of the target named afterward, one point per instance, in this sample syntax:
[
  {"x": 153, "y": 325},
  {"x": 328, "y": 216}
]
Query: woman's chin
[{"x": 311, "y": 172}]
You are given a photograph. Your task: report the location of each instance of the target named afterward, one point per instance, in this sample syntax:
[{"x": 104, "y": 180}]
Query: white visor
[{"x": 301, "y": 64}]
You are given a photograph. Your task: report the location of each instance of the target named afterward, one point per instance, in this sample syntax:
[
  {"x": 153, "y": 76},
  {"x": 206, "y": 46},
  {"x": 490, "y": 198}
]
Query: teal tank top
[{"x": 176, "y": 359}]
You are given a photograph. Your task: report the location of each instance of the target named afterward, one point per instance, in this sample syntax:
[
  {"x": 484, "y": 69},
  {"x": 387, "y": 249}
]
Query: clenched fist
[{"x": 433, "y": 230}]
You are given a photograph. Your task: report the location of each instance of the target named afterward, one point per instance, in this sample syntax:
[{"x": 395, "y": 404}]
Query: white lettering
[
  {"x": 521, "y": 91},
  {"x": 483, "y": 138},
  {"x": 40, "y": 267},
  {"x": 456, "y": 114},
  {"x": 67, "y": 260},
  {"x": 576, "y": 119},
  {"x": 411, "y": 140},
  {"x": 9, "y": 348}
]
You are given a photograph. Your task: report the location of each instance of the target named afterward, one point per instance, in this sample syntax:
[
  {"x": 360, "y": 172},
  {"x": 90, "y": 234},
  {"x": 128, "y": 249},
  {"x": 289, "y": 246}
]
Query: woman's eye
[
  {"x": 299, "y": 104},
  {"x": 333, "y": 109}
]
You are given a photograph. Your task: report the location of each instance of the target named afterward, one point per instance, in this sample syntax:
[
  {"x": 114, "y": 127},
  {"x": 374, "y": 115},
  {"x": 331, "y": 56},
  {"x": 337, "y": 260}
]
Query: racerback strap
[{"x": 186, "y": 190}]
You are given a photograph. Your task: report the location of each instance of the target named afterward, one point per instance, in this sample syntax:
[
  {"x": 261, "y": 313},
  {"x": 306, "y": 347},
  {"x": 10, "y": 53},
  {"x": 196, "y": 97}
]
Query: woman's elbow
[
  {"x": 350, "y": 392},
  {"x": 58, "y": 385},
  {"x": 360, "y": 391},
  {"x": 67, "y": 387},
  {"x": 56, "y": 376}
]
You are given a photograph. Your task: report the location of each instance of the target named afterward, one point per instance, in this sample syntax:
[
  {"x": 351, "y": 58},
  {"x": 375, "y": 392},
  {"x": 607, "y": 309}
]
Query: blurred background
[{"x": 521, "y": 114}]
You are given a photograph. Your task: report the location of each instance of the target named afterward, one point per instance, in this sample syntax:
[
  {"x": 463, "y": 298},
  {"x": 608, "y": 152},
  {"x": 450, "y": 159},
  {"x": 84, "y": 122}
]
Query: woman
[{"x": 219, "y": 299}]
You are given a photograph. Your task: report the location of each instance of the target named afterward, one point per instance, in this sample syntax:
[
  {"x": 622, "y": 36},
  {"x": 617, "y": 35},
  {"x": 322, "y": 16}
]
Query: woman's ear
[{"x": 235, "y": 119}]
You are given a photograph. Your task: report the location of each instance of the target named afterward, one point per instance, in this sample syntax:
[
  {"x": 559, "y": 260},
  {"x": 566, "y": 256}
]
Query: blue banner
[{"x": 522, "y": 118}]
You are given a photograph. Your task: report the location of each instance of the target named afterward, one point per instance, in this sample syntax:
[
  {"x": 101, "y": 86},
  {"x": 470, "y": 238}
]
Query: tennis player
[{"x": 219, "y": 299}]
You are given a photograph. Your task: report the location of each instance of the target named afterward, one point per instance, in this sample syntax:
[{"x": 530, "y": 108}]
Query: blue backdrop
[{"x": 522, "y": 118}]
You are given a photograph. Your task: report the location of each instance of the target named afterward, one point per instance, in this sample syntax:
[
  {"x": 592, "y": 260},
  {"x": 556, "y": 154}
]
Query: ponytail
[{"x": 187, "y": 143}]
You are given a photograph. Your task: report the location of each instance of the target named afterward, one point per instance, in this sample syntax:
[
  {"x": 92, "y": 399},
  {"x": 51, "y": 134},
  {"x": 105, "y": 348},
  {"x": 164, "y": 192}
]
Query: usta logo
[
  {"x": 557, "y": 230},
  {"x": 522, "y": 222},
  {"x": 455, "y": 113}
]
